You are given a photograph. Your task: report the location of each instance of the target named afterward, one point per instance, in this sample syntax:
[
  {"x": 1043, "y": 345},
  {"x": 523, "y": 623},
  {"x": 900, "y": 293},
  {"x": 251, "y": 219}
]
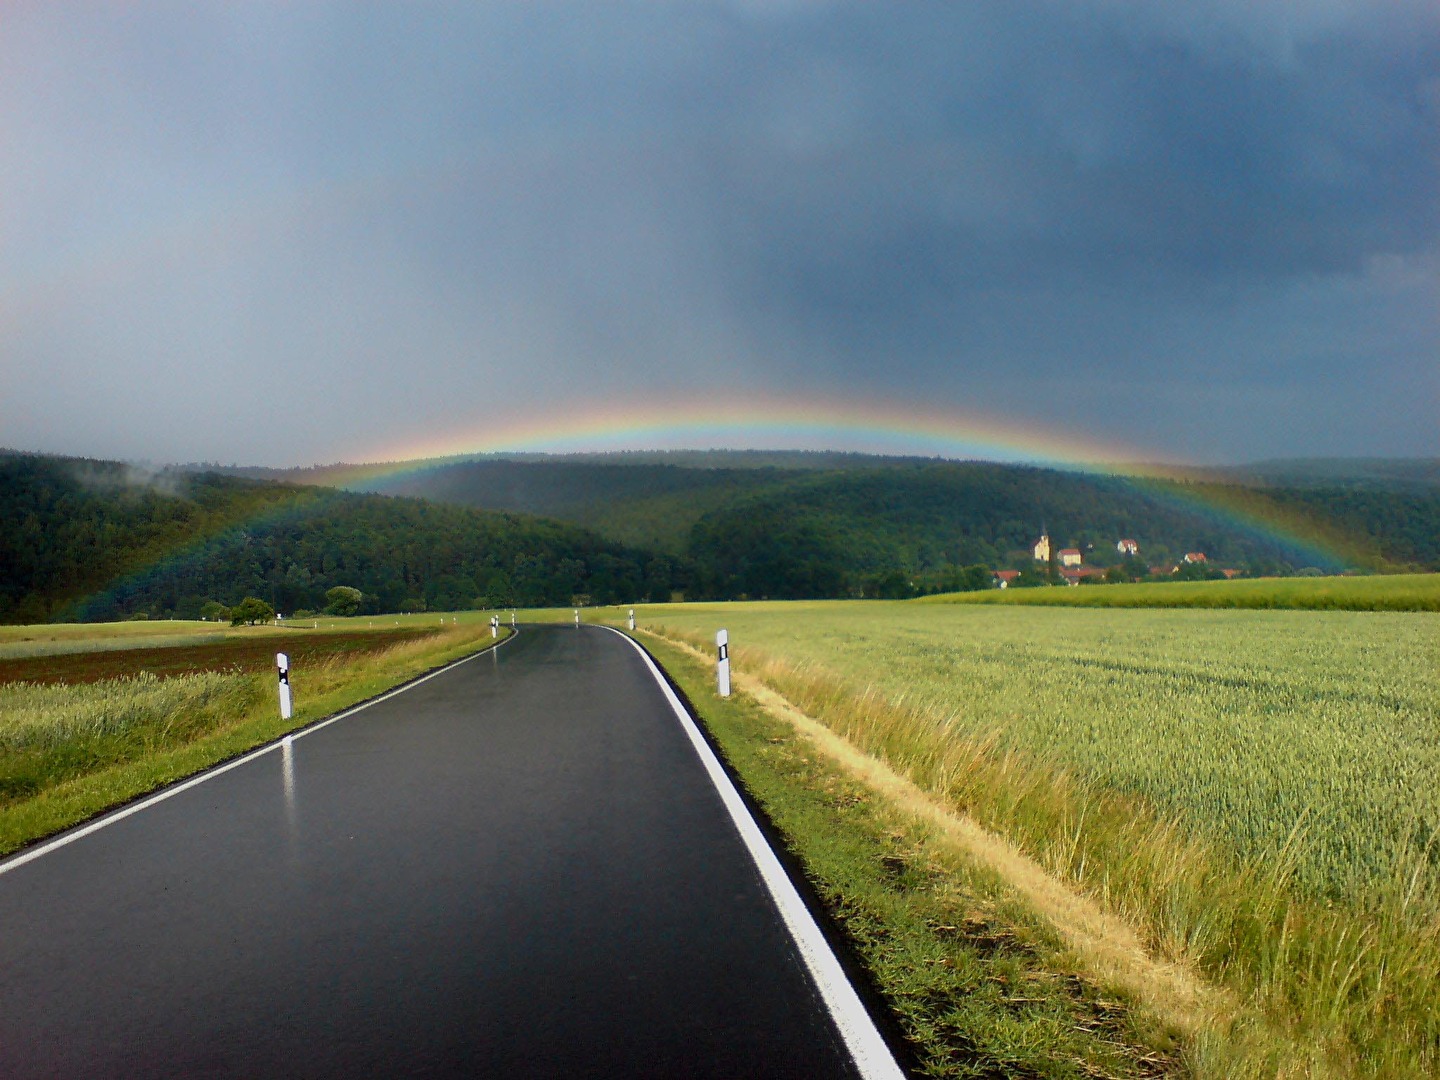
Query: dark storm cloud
[
  {"x": 1206, "y": 228},
  {"x": 1056, "y": 145}
]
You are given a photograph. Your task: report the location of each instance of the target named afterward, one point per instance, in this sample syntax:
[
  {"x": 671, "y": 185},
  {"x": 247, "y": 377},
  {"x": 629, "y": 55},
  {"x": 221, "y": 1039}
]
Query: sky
[{"x": 297, "y": 232}]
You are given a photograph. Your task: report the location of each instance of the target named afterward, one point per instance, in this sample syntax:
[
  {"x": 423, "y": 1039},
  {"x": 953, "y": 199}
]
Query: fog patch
[{"x": 133, "y": 478}]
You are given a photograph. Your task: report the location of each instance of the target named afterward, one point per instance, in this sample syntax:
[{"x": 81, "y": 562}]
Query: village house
[{"x": 1071, "y": 560}]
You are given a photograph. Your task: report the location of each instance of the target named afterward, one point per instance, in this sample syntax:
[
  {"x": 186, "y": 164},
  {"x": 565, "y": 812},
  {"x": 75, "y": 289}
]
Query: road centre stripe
[
  {"x": 862, "y": 1038},
  {"x": 60, "y": 841}
]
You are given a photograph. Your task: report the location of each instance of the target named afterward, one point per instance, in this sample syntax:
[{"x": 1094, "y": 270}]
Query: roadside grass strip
[
  {"x": 979, "y": 984},
  {"x": 1322, "y": 985},
  {"x": 71, "y": 752}
]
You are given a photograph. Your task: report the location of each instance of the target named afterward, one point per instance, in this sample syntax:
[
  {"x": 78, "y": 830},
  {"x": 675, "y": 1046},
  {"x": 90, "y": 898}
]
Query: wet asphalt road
[{"x": 517, "y": 868}]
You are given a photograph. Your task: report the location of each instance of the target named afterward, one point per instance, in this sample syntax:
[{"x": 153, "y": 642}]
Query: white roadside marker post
[
  {"x": 494, "y": 626},
  {"x": 632, "y": 620},
  {"x": 512, "y": 620},
  {"x": 577, "y": 616},
  {"x": 283, "y": 663},
  {"x": 722, "y": 669}
]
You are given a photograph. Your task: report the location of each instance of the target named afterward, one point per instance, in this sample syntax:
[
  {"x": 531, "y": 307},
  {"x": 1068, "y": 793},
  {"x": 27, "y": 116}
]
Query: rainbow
[
  {"x": 773, "y": 424},
  {"x": 876, "y": 427},
  {"x": 288, "y": 508},
  {"x": 870, "y": 428}
]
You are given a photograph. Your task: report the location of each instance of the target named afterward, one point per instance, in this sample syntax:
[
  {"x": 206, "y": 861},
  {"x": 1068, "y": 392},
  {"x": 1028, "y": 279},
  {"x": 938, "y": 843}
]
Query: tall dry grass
[
  {"x": 38, "y": 716},
  {"x": 1325, "y": 989}
]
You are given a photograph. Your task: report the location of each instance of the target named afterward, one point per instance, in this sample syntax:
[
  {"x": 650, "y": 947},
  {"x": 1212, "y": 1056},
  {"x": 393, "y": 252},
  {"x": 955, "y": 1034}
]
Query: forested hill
[
  {"x": 860, "y": 516},
  {"x": 95, "y": 540},
  {"x": 1418, "y": 475},
  {"x": 651, "y": 499},
  {"x": 932, "y": 518},
  {"x": 103, "y": 540}
]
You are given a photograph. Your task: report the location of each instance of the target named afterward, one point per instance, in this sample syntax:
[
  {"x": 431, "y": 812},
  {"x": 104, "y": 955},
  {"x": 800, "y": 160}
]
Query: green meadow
[
  {"x": 1254, "y": 790},
  {"x": 1387, "y": 592}
]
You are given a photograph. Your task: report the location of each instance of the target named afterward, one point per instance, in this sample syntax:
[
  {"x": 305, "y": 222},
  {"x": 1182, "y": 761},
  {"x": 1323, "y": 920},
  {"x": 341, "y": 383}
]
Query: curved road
[{"x": 518, "y": 867}]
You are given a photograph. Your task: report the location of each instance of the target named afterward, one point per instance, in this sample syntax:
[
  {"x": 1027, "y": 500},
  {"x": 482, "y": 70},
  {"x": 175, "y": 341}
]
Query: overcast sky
[{"x": 295, "y": 232}]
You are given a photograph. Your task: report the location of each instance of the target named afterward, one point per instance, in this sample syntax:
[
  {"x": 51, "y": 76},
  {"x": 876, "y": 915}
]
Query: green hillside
[
  {"x": 798, "y": 524},
  {"x": 925, "y": 521},
  {"x": 649, "y": 498},
  {"x": 642, "y": 503},
  {"x": 102, "y": 540},
  {"x": 95, "y": 539},
  {"x": 1382, "y": 474},
  {"x": 915, "y": 515}
]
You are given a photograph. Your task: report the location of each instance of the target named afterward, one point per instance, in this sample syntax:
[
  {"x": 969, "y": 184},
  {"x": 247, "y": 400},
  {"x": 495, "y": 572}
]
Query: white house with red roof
[
  {"x": 1127, "y": 547},
  {"x": 1070, "y": 557}
]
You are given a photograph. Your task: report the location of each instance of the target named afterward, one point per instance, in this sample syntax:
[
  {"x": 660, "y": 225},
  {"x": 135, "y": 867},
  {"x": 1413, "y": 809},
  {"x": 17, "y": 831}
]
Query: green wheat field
[{"x": 1248, "y": 726}]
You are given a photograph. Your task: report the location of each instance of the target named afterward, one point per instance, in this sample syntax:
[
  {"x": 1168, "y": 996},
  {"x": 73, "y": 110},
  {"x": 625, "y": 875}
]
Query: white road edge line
[
  {"x": 862, "y": 1038},
  {"x": 199, "y": 778}
]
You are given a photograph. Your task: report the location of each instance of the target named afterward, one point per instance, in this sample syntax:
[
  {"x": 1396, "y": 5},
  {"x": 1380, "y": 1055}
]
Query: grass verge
[
  {"x": 980, "y": 985},
  {"x": 1321, "y": 990},
  {"x": 72, "y": 752}
]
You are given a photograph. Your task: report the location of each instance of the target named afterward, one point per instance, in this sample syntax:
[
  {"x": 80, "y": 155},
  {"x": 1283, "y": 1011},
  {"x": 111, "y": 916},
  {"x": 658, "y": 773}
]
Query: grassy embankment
[
  {"x": 70, "y": 751},
  {"x": 1390, "y": 592},
  {"x": 1252, "y": 791}
]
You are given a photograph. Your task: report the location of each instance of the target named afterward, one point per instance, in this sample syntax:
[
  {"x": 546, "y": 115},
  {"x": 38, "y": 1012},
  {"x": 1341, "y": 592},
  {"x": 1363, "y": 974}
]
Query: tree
[
  {"x": 250, "y": 611},
  {"x": 214, "y": 611},
  {"x": 343, "y": 600}
]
